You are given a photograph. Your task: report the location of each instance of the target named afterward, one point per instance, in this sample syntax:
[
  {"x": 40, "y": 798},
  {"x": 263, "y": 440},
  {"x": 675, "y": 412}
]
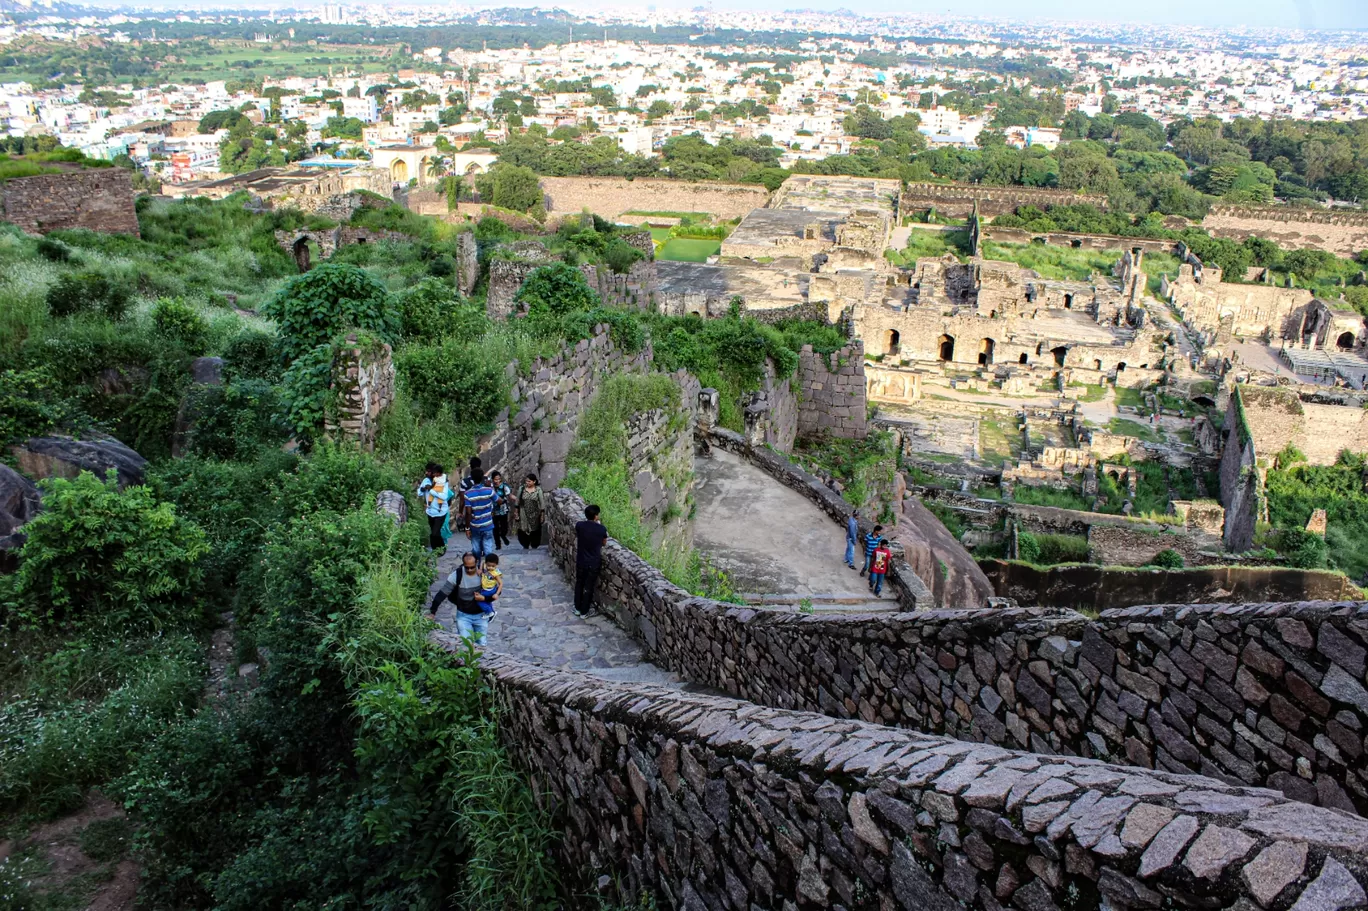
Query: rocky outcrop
[
  {"x": 64, "y": 457},
  {"x": 941, "y": 562},
  {"x": 19, "y": 502}
]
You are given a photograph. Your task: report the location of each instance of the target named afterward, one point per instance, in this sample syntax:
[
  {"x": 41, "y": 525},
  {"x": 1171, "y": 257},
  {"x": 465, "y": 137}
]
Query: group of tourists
[
  {"x": 877, "y": 555},
  {"x": 485, "y": 508}
]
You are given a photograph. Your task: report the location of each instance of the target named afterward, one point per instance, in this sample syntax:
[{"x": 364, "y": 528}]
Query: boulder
[
  {"x": 19, "y": 500},
  {"x": 64, "y": 457},
  {"x": 207, "y": 371},
  {"x": 939, "y": 560}
]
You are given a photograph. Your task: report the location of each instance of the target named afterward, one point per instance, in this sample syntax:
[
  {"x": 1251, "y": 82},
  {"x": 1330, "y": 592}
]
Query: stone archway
[
  {"x": 945, "y": 346},
  {"x": 1023, "y": 359},
  {"x": 1060, "y": 354},
  {"x": 300, "y": 251},
  {"x": 986, "y": 347},
  {"x": 894, "y": 342},
  {"x": 399, "y": 171},
  {"x": 1068, "y": 302},
  {"x": 1345, "y": 341}
]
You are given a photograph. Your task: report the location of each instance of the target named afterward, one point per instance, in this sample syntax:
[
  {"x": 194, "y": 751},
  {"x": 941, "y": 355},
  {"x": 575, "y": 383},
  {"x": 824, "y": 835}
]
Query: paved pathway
[
  {"x": 768, "y": 538},
  {"x": 536, "y": 622}
]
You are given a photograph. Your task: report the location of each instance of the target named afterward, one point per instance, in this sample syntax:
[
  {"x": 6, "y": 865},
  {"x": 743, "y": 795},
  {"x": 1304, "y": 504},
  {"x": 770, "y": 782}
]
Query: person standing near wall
[
  {"x": 878, "y": 567},
  {"x": 852, "y": 537},
  {"x": 435, "y": 493},
  {"x": 479, "y": 514},
  {"x": 528, "y": 517},
  {"x": 871, "y": 541},
  {"x": 589, "y": 537},
  {"x": 502, "y": 503}
]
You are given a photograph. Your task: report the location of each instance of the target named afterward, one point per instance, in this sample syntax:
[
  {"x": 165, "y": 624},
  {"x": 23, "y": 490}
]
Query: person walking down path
[
  {"x": 479, "y": 513},
  {"x": 871, "y": 543},
  {"x": 878, "y": 567},
  {"x": 528, "y": 517},
  {"x": 472, "y": 623},
  {"x": 852, "y": 537},
  {"x": 589, "y": 537},
  {"x": 436, "y": 494},
  {"x": 502, "y": 497},
  {"x": 467, "y": 482}
]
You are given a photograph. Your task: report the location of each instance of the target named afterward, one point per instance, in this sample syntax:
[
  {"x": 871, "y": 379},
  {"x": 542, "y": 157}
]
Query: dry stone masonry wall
[
  {"x": 714, "y": 804},
  {"x": 962, "y": 200},
  {"x": 1268, "y": 694},
  {"x": 612, "y": 196},
  {"x": 832, "y": 393},
  {"x": 363, "y": 381},
  {"x": 99, "y": 199},
  {"x": 1342, "y": 233}
]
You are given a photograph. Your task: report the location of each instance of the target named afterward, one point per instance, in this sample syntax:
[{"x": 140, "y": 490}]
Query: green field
[{"x": 687, "y": 250}]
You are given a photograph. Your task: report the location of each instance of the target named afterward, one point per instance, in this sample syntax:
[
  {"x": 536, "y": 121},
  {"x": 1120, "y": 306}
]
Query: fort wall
[
  {"x": 831, "y": 397},
  {"x": 610, "y": 197},
  {"x": 1341, "y": 232},
  {"x": 956, "y": 200},
  {"x": 97, "y": 199}
]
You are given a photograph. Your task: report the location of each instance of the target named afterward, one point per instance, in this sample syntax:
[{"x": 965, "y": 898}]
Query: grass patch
[
  {"x": 689, "y": 250},
  {"x": 998, "y": 442},
  {"x": 1124, "y": 427},
  {"x": 107, "y": 840},
  {"x": 931, "y": 245},
  {"x": 1050, "y": 496}
]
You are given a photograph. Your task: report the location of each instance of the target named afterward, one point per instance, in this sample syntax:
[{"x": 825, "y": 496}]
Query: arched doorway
[
  {"x": 986, "y": 352},
  {"x": 300, "y": 251},
  {"x": 1022, "y": 359},
  {"x": 1068, "y": 302},
  {"x": 894, "y": 340},
  {"x": 946, "y": 346},
  {"x": 1097, "y": 364},
  {"x": 1059, "y": 354},
  {"x": 1121, "y": 367},
  {"x": 399, "y": 171},
  {"x": 1345, "y": 341}
]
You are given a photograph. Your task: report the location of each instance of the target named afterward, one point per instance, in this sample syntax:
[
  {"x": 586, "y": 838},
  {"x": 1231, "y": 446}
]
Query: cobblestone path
[{"x": 537, "y": 623}]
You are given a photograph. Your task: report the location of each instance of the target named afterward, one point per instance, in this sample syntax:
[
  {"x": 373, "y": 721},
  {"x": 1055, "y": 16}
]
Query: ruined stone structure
[
  {"x": 660, "y": 447},
  {"x": 467, "y": 262},
  {"x": 956, "y": 200},
  {"x": 363, "y": 383},
  {"x": 549, "y": 397},
  {"x": 1342, "y": 232},
  {"x": 97, "y": 199},
  {"x": 833, "y": 397},
  {"x": 327, "y": 191},
  {"x": 508, "y": 269},
  {"x": 1006, "y": 235},
  {"x": 610, "y": 197},
  {"x": 328, "y": 241}
]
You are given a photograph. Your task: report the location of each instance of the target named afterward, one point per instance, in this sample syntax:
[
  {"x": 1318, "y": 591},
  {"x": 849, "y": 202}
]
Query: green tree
[
  {"x": 511, "y": 187},
  {"x": 327, "y": 300}
]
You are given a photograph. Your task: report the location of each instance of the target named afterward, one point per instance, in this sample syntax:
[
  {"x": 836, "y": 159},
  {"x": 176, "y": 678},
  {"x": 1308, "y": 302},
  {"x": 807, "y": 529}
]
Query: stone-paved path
[{"x": 536, "y": 621}]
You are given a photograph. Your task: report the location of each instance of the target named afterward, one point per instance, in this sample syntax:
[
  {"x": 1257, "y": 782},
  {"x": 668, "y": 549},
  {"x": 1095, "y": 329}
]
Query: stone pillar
[
  {"x": 709, "y": 408},
  {"x": 363, "y": 380}
]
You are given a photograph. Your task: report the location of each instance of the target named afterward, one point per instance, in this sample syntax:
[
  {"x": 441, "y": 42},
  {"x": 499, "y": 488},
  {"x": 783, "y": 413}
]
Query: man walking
[
  {"x": 503, "y": 497},
  {"x": 479, "y": 514},
  {"x": 589, "y": 537},
  {"x": 852, "y": 537}
]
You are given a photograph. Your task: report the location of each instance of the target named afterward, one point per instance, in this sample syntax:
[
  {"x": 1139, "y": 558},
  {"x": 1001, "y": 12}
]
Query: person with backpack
[
  {"x": 472, "y": 622},
  {"x": 435, "y": 493},
  {"x": 878, "y": 567},
  {"x": 871, "y": 543}
]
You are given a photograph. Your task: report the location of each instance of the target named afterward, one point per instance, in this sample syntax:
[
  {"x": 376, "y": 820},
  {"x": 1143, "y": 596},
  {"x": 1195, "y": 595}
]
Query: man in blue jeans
[
  {"x": 852, "y": 537},
  {"x": 479, "y": 512}
]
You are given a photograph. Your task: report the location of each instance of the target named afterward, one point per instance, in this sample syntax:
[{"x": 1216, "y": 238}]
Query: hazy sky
[{"x": 1326, "y": 14}]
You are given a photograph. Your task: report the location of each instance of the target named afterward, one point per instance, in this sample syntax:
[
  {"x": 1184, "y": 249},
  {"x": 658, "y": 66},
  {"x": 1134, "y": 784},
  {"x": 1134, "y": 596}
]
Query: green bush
[
  {"x": 179, "y": 324},
  {"x": 1049, "y": 550},
  {"x": 1168, "y": 558},
  {"x": 455, "y": 374},
  {"x": 329, "y": 300},
  {"x": 1302, "y": 549},
  {"x": 234, "y": 420},
  {"x": 554, "y": 290},
  {"x": 251, "y": 354},
  {"x": 31, "y": 405},
  {"x": 100, "y": 557},
  {"x": 83, "y": 292}
]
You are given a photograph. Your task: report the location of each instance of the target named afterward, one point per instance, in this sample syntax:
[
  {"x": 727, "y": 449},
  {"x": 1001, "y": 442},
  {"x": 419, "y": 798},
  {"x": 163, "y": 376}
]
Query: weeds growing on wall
[
  {"x": 865, "y": 468},
  {"x": 1295, "y": 491}
]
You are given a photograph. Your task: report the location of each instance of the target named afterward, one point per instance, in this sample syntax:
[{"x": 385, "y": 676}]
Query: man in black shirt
[{"x": 589, "y": 537}]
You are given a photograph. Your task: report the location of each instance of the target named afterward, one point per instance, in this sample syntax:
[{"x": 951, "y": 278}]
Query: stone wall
[
  {"x": 660, "y": 446},
  {"x": 1343, "y": 233},
  {"x": 1004, "y": 235},
  {"x": 832, "y": 393},
  {"x": 363, "y": 381},
  {"x": 962, "y": 200},
  {"x": 770, "y": 414},
  {"x": 467, "y": 262},
  {"x": 505, "y": 278},
  {"x": 634, "y": 289},
  {"x": 98, "y": 199},
  {"x": 711, "y": 803},
  {"x": 1181, "y": 688},
  {"x": 1241, "y": 481},
  {"x": 1136, "y": 545},
  {"x": 610, "y": 197},
  {"x": 536, "y": 434},
  {"x": 329, "y": 241}
]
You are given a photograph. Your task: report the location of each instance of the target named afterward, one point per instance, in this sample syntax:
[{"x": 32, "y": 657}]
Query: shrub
[
  {"x": 1302, "y": 549},
  {"x": 113, "y": 559},
  {"x": 80, "y": 292},
  {"x": 1028, "y": 549},
  {"x": 326, "y": 301},
  {"x": 233, "y": 421},
  {"x": 555, "y": 290},
  {"x": 53, "y": 250},
  {"x": 431, "y": 311},
  {"x": 32, "y": 405},
  {"x": 251, "y": 354},
  {"x": 457, "y": 374},
  {"x": 1168, "y": 558},
  {"x": 179, "y": 324}
]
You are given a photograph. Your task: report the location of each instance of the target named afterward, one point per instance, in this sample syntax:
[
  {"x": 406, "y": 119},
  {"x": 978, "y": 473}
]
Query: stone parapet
[
  {"x": 1267, "y": 694},
  {"x": 713, "y": 803},
  {"x": 98, "y": 199}
]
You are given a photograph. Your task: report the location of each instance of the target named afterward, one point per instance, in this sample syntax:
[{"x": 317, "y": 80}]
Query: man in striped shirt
[
  {"x": 479, "y": 513},
  {"x": 871, "y": 544}
]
